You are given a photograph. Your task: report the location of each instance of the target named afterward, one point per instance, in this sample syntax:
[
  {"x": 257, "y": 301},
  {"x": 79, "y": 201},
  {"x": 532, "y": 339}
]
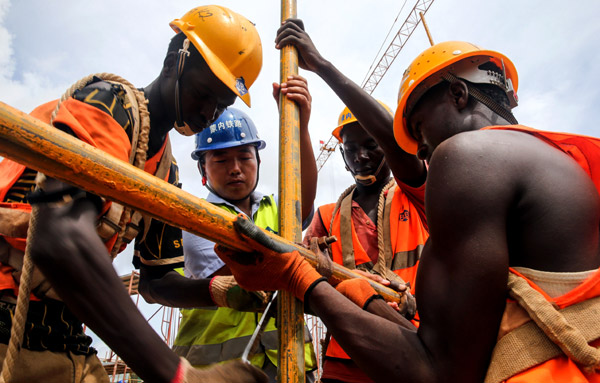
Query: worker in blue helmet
[
  {"x": 228, "y": 160},
  {"x": 232, "y": 144}
]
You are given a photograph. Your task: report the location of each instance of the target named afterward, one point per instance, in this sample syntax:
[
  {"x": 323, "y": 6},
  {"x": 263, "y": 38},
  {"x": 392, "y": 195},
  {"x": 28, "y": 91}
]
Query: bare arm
[
  {"x": 296, "y": 89},
  {"x": 371, "y": 115},
  {"x": 461, "y": 282},
  {"x": 173, "y": 289},
  {"x": 73, "y": 258}
]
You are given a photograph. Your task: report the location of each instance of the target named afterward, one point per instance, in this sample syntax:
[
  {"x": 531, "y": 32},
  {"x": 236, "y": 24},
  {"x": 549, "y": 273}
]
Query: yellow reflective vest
[{"x": 217, "y": 334}]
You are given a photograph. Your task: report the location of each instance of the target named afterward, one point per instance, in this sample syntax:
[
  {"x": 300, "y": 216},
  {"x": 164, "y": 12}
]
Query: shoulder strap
[
  {"x": 346, "y": 231},
  {"x": 551, "y": 333}
]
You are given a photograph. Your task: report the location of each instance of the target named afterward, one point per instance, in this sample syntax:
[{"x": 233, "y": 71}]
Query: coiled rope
[{"x": 141, "y": 150}]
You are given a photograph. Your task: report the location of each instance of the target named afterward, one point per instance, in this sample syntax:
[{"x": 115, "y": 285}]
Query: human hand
[
  {"x": 225, "y": 292},
  {"x": 232, "y": 371},
  {"x": 407, "y": 306},
  {"x": 296, "y": 89},
  {"x": 273, "y": 266},
  {"x": 292, "y": 33}
]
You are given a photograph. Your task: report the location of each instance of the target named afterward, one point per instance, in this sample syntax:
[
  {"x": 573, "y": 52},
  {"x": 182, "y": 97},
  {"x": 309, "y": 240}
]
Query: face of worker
[
  {"x": 434, "y": 119},
  {"x": 232, "y": 172},
  {"x": 361, "y": 152},
  {"x": 203, "y": 96}
]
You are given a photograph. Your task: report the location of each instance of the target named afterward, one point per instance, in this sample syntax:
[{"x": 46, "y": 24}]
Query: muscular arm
[
  {"x": 462, "y": 279},
  {"x": 372, "y": 116},
  {"x": 73, "y": 258},
  {"x": 296, "y": 89}
]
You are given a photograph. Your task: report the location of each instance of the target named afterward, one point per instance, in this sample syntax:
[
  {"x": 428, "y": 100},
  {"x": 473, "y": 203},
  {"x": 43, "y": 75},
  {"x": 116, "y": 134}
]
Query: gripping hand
[{"x": 272, "y": 266}]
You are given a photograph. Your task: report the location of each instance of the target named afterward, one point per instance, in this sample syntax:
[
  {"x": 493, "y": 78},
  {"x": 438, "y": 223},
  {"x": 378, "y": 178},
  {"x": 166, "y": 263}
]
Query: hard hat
[
  {"x": 458, "y": 58},
  {"x": 346, "y": 117},
  {"x": 228, "y": 42},
  {"x": 232, "y": 128}
]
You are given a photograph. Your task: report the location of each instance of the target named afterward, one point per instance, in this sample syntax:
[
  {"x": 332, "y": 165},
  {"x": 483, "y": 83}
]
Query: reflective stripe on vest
[{"x": 213, "y": 335}]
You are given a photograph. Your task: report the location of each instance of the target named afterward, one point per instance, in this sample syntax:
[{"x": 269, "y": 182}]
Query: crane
[{"x": 373, "y": 79}]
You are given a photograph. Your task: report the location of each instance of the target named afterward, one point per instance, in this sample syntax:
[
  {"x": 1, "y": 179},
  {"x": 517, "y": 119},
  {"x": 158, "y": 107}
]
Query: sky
[{"x": 45, "y": 46}]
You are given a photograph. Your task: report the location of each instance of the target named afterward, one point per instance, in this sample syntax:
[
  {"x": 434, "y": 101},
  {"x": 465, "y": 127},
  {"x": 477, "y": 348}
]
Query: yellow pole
[
  {"x": 37, "y": 145},
  {"x": 290, "y": 310}
]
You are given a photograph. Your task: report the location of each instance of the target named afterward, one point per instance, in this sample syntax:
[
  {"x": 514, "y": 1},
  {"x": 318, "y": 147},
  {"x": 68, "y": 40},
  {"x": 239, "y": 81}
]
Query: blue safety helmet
[{"x": 232, "y": 128}]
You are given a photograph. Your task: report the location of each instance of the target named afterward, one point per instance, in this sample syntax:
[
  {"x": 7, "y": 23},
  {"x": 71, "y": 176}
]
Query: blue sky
[{"x": 45, "y": 46}]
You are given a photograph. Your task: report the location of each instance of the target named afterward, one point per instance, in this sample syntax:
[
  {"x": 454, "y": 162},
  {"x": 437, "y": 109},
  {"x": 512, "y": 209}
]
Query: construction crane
[{"x": 373, "y": 79}]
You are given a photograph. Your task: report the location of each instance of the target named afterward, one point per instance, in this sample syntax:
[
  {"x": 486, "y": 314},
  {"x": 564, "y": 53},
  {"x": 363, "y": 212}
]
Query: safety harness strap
[
  {"x": 551, "y": 333},
  {"x": 346, "y": 232}
]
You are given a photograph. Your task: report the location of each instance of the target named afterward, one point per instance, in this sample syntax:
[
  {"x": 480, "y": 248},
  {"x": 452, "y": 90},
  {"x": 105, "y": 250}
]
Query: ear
[
  {"x": 170, "y": 65},
  {"x": 459, "y": 93}
]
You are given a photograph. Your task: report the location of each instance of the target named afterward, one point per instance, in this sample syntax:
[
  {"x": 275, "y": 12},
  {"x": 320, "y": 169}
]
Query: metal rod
[
  {"x": 426, "y": 28},
  {"x": 37, "y": 145},
  {"x": 290, "y": 310}
]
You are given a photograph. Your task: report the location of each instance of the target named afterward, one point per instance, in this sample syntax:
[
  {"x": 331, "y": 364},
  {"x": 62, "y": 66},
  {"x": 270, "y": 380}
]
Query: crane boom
[{"x": 371, "y": 82}]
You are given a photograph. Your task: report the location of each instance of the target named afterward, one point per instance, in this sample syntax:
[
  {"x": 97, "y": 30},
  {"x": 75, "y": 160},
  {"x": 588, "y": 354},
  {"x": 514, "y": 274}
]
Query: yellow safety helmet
[
  {"x": 454, "y": 58},
  {"x": 228, "y": 42},
  {"x": 347, "y": 117}
]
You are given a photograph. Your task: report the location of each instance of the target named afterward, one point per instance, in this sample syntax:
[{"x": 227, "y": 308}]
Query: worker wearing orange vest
[
  {"x": 380, "y": 226},
  {"x": 74, "y": 228},
  {"x": 514, "y": 219},
  {"x": 380, "y": 220}
]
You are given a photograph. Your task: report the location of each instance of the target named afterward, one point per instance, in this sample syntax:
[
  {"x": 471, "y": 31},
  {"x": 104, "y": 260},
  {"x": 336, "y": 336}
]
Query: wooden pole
[{"x": 290, "y": 310}]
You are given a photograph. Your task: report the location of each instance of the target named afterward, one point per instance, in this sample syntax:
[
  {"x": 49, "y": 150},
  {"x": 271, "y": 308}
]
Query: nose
[
  {"x": 235, "y": 167},
  {"x": 361, "y": 155}
]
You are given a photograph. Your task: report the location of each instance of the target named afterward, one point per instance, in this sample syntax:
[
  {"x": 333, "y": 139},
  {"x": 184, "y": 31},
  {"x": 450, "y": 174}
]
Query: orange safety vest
[
  {"x": 90, "y": 125},
  {"x": 408, "y": 234},
  {"x": 585, "y": 151},
  {"x": 560, "y": 368}
]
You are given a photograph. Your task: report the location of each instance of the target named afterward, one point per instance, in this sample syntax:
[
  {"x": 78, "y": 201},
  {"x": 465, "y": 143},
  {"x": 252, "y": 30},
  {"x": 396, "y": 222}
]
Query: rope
[
  {"x": 18, "y": 322},
  {"x": 380, "y": 209},
  {"x": 141, "y": 149}
]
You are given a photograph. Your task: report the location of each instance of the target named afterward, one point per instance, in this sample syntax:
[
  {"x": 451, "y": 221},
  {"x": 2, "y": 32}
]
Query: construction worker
[
  {"x": 379, "y": 221},
  {"x": 228, "y": 161},
  {"x": 204, "y": 70},
  {"x": 509, "y": 279}
]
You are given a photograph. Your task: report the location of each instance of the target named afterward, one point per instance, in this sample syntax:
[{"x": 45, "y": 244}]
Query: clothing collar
[{"x": 255, "y": 199}]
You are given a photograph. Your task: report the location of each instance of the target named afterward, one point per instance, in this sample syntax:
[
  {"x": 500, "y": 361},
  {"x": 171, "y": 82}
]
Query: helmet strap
[
  {"x": 484, "y": 99},
  {"x": 364, "y": 180},
  {"x": 370, "y": 179},
  {"x": 180, "y": 126}
]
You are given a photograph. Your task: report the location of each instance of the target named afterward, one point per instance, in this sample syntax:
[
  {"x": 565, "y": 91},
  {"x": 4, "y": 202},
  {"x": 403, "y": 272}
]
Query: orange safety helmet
[
  {"x": 228, "y": 42},
  {"x": 457, "y": 58},
  {"x": 346, "y": 117}
]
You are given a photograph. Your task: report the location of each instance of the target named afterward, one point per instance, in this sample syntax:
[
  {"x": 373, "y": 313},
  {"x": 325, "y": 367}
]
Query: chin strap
[
  {"x": 180, "y": 126},
  {"x": 367, "y": 180}
]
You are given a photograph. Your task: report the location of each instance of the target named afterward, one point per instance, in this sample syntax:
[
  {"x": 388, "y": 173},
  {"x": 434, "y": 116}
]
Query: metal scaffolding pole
[{"x": 290, "y": 310}]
